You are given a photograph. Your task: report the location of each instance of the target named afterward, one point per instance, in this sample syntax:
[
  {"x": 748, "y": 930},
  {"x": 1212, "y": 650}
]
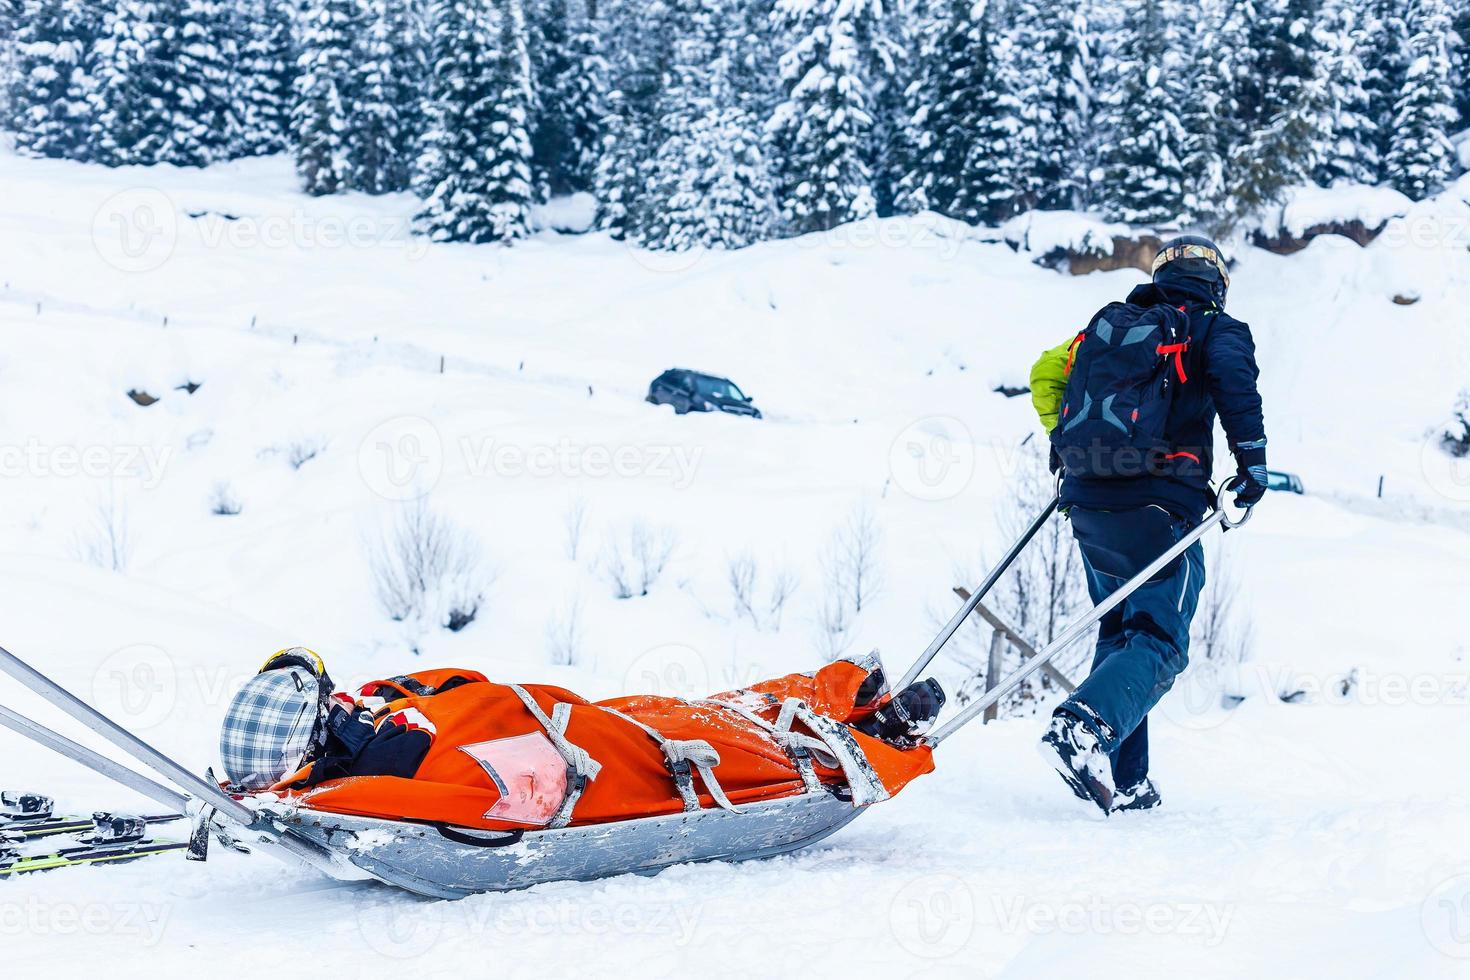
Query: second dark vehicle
[{"x": 692, "y": 391}]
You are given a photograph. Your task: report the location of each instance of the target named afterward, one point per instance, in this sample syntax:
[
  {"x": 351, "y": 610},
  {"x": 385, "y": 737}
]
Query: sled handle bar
[
  {"x": 95, "y": 761},
  {"x": 1065, "y": 639},
  {"x": 950, "y": 628},
  {"x": 193, "y": 785}
]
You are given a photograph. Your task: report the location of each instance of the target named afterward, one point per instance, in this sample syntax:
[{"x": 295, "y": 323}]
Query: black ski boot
[
  {"x": 1073, "y": 751},
  {"x": 1140, "y": 796}
]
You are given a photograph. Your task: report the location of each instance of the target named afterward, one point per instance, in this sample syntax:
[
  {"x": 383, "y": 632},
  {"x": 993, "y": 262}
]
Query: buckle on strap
[
  {"x": 581, "y": 767},
  {"x": 837, "y": 739}
]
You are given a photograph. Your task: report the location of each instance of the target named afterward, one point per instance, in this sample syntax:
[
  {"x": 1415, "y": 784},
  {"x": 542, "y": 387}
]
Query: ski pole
[
  {"x": 196, "y": 786},
  {"x": 1080, "y": 626},
  {"x": 959, "y": 618},
  {"x": 100, "y": 764}
]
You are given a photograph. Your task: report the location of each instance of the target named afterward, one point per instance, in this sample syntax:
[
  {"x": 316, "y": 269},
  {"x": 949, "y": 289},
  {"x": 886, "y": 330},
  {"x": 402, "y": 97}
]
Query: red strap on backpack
[
  {"x": 1178, "y": 351},
  {"x": 1072, "y": 351}
]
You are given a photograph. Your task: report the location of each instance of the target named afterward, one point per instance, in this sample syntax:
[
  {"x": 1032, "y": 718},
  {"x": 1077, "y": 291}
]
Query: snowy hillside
[{"x": 344, "y": 368}]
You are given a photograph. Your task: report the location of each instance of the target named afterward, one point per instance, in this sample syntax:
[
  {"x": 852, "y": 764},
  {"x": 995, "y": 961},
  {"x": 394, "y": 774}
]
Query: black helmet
[{"x": 1193, "y": 257}]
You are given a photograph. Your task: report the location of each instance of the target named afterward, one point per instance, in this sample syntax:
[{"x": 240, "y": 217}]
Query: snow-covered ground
[{"x": 1298, "y": 839}]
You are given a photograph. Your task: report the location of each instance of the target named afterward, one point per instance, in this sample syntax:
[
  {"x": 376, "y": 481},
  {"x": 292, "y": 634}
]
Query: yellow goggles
[{"x": 1175, "y": 252}]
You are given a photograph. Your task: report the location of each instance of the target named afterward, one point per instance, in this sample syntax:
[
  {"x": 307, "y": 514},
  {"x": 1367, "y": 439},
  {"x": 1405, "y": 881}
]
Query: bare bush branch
[
  {"x": 1216, "y": 635},
  {"x": 426, "y": 568},
  {"x": 574, "y": 522},
  {"x": 223, "y": 501},
  {"x": 783, "y": 587},
  {"x": 304, "y": 450},
  {"x": 634, "y": 560},
  {"x": 564, "y": 634},
  {"x": 652, "y": 548},
  {"x": 851, "y": 562},
  {"x": 741, "y": 572},
  {"x": 105, "y": 541},
  {"x": 834, "y": 624}
]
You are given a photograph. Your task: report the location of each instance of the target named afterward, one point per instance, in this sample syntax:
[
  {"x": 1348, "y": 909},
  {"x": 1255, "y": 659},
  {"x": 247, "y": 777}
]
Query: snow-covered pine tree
[
  {"x": 570, "y": 81},
  {"x": 886, "y": 40},
  {"x": 640, "y": 34},
  {"x": 1143, "y": 158},
  {"x": 1210, "y": 115},
  {"x": 1420, "y": 158},
  {"x": 820, "y": 132},
  {"x": 1460, "y": 60},
  {"x": 264, "y": 71},
  {"x": 319, "y": 118},
  {"x": 1055, "y": 92},
  {"x": 1284, "y": 104},
  {"x": 385, "y": 112},
  {"x": 1352, "y": 152},
  {"x": 49, "y": 93},
  {"x": 966, "y": 118},
  {"x": 478, "y": 158},
  {"x": 709, "y": 179},
  {"x": 131, "y": 117},
  {"x": 207, "y": 129},
  {"x": 164, "y": 74},
  {"x": 1383, "y": 44}
]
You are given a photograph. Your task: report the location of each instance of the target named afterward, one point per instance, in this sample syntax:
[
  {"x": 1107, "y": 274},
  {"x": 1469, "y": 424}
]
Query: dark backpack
[{"x": 1123, "y": 372}]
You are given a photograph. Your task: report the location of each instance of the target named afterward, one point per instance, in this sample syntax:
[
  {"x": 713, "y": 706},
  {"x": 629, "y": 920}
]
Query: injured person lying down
[{"x": 450, "y": 746}]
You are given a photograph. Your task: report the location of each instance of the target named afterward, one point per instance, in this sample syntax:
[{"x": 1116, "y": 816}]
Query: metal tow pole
[
  {"x": 193, "y": 785},
  {"x": 1080, "y": 626},
  {"x": 959, "y": 618},
  {"x": 97, "y": 762}
]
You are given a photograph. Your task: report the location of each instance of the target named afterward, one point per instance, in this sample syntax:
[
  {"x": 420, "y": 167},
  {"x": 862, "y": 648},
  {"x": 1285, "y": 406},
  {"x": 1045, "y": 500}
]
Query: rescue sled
[
  {"x": 446, "y": 862},
  {"x": 452, "y": 862}
]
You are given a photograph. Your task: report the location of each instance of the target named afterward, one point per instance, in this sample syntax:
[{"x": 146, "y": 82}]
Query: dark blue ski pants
[{"x": 1143, "y": 644}]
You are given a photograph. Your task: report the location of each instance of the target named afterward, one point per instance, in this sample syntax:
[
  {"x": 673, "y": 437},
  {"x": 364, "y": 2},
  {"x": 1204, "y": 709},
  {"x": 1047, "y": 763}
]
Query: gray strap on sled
[
  {"x": 683, "y": 758},
  {"x": 581, "y": 767},
  {"x": 798, "y": 746},
  {"x": 839, "y": 743}
]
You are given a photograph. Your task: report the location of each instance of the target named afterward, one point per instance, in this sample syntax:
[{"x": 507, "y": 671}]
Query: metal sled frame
[{"x": 449, "y": 862}]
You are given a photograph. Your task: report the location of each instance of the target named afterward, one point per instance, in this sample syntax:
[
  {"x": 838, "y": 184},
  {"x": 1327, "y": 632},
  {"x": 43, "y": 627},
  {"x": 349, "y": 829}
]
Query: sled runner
[{"x": 442, "y": 860}]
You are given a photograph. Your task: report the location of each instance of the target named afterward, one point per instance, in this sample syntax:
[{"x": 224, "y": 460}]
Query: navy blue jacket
[{"x": 1221, "y": 366}]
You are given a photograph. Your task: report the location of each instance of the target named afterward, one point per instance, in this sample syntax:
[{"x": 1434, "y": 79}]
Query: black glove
[
  {"x": 1054, "y": 460},
  {"x": 1249, "y": 485}
]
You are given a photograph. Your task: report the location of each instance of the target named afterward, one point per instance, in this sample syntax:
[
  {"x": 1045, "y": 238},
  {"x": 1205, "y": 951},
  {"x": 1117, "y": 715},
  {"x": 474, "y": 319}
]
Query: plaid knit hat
[{"x": 275, "y": 723}]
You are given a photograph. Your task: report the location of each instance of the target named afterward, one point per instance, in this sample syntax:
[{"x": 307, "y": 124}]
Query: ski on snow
[{"x": 100, "y": 839}]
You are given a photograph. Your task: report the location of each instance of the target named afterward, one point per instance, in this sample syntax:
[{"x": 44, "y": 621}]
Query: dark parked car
[
  {"x": 1285, "y": 482},
  {"x": 691, "y": 391}
]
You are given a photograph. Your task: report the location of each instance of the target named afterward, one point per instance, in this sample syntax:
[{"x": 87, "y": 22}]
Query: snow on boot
[
  {"x": 1073, "y": 751},
  {"x": 1140, "y": 796}
]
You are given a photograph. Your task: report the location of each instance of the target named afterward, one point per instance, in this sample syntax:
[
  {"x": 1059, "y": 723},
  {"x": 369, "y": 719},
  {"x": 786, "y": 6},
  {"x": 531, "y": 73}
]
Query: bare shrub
[
  {"x": 834, "y": 622},
  {"x": 1216, "y": 634},
  {"x": 574, "y": 523},
  {"x": 634, "y": 560},
  {"x": 783, "y": 587},
  {"x": 104, "y": 541},
  {"x": 426, "y": 568},
  {"x": 564, "y": 633},
  {"x": 851, "y": 565},
  {"x": 743, "y": 573},
  {"x": 303, "y": 451},
  {"x": 1454, "y": 438},
  {"x": 223, "y": 500}
]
